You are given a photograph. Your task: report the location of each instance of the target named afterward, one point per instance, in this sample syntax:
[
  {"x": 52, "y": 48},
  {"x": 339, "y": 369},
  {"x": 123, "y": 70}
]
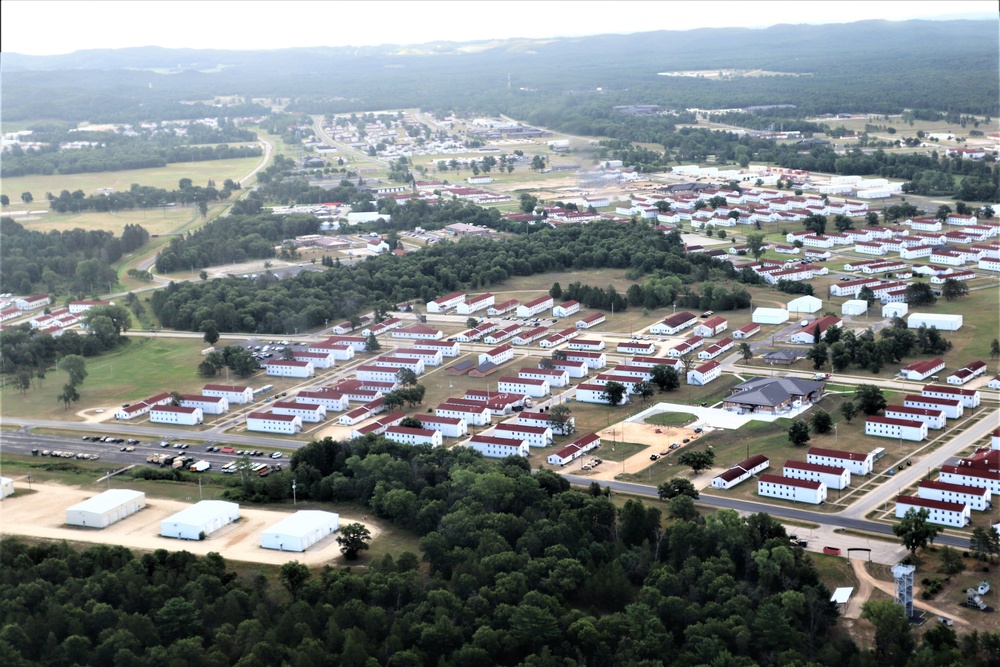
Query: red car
[{"x": 831, "y": 551}]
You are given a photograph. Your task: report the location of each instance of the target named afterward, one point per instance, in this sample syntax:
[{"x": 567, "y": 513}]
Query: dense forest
[
  {"x": 74, "y": 260},
  {"x": 866, "y": 67},
  {"x": 517, "y": 569},
  {"x": 307, "y": 300}
]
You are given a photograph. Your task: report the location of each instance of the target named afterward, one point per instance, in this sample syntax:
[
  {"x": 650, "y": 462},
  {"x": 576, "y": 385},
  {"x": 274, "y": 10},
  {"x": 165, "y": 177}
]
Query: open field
[
  {"x": 164, "y": 220},
  {"x": 161, "y": 177}
]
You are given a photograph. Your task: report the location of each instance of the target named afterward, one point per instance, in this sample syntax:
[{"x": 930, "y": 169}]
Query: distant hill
[{"x": 948, "y": 65}]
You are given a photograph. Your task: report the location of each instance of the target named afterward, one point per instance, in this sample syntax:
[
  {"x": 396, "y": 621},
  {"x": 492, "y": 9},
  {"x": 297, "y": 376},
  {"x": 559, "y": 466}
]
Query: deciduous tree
[
  {"x": 869, "y": 399},
  {"x": 353, "y": 539},
  {"x": 798, "y": 433},
  {"x": 614, "y": 392},
  {"x": 915, "y": 530},
  {"x": 697, "y": 460}
]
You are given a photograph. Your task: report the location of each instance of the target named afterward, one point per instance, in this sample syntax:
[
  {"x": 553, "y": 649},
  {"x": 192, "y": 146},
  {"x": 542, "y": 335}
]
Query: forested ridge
[
  {"x": 517, "y": 569},
  {"x": 269, "y": 305}
]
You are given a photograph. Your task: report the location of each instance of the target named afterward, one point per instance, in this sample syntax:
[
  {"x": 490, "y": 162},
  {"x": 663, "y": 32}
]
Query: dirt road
[
  {"x": 867, "y": 583},
  {"x": 42, "y": 512}
]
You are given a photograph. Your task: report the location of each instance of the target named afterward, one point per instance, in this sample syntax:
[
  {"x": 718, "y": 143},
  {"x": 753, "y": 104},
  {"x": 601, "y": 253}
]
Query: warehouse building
[
  {"x": 106, "y": 508},
  {"x": 300, "y": 531},
  {"x": 200, "y": 520},
  {"x": 6, "y": 487}
]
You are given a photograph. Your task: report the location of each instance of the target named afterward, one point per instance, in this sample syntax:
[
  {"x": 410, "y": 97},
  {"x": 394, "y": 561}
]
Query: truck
[
  {"x": 821, "y": 376},
  {"x": 200, "y": 466},
  {"x": 182, "y": 462},
  {"x": 156, "y": 458}
]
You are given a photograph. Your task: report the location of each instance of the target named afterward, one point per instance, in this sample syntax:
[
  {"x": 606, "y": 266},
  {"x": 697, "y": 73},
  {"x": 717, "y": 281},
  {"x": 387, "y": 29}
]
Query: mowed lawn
[
  {"x": 160, "y": 177},
  {"x": 166, "y": 220},
  {"x": 144, "y": 367}
]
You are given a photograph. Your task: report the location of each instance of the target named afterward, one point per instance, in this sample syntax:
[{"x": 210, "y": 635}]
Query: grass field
[{"x": 671, "y": 419}]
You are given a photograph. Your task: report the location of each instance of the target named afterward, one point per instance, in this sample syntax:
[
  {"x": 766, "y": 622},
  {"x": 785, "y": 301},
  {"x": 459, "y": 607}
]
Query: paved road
[{"x": 837, "y": 520}]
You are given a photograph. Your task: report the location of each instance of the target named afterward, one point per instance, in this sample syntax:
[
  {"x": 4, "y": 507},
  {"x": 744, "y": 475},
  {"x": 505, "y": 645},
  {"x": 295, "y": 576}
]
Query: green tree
[
  {"x": 954, "y": 289},
  {"x": 293, "y": 575},
  {"x": 697, "y": 460},
  {"x": 353, "y": 539},
  {"x": 919, "y": 294},
  {"x": 819, "y": 354},
  {"x": 676, "y": 486},
  {"x": 411, "y": 422},
  {"x": 849, "y": 410},
  {"x": 27, "y": 198},
  {"x": 211, "y": 332},
  {"x": 643, "y": 389},
  {"x": 869, "y": 399},
  {"x": 372, "y": 344},
  {"x": 821, "y": 421},
  {"x": 665, "y": 377},
  {"x": 893, "y": 638},
  {"x": 943, "y": 212},
  {"x": 75, "y": 366},
  {"x": 555, "y": 291},
  {"x": 69, "y": 395},
  {"x": 995, "y": 348},
  {"x": 985, "y": 543},
  {"x": 951, "y": 561},
  {"x": 4, "y": 200},
  {"x": 22, "y": 380},
  {"x": 471, "y": 323},
  {"x": 561, "y": 420},
  {"x": 798, "y": 433},
  {"x": 406, "y": 377},
  {"x": 755, "y": 245},
  {"x": 915, "y": 531},
  {"x": 614, "y": 392},
  {"x": 746, "y": 353},
  {"x": 682, "y": 508}
]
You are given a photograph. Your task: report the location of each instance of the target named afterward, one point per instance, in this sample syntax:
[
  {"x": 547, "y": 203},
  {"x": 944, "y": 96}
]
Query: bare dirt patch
[
  {"x": 42, "y": 515},
  {"x": 643, "y": 434}
]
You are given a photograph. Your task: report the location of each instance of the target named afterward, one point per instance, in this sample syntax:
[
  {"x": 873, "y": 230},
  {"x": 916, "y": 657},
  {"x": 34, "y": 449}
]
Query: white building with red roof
[
  {"x": 209, "y": 405},
  {"x": 640, "y": 347},
  {"x": 268, "y": 422},
  {"x": 290, "y": 368},
  {"x": 174, "y": 414},
  {"x": 970, "y": 398},
  {"x": 309, "y": 412},
  {"x": 789, "y": 488},
  {"x": 450, "y": 427},
  {"x": 447, "y": 348},
  {"x": 594, "y": 360},
  {"x": 741, "y": 472},
  {"x": 943, "y": 513},
  {"x": 535, "y": 436},
  {"x": 528, "y": 386},
  {"x": 674, "y": 324},
  {"x": 857, "y": 462},
  {"x": 967, "y": 373},
  {"x": 586, "y": 344},
  {"x": 333, "y": 401},
  {"x": 704, "y": 373},
  {"x": 446, "y": 302},
  {"x": 591, "y": 392},
  {"x": 575, "y": 449},
  {"x": 835, "y": 477},
  {"x": 952, "y": 407},
  {"x": 418, "y": 331},
  {"x": 498, "y": 448},
  {"x": 498, "y": 355},
  {"x": 413, "y": 436},
  {"x": 714, "y": 350},
  {"x": 503, "y": 308},
  {"x": 685, "y": 346},
  {"x": 566, "y": 308},
  {"x": 500, "y": 335},
  {"x": 900, "y": 429},
  {"x": 590, "y": 321},
  {"x": 232, "y": 393},
  {"x": 556, "y": 377},
  {"x": 934, "y": 418},
  {"x": 713, "y": 326},
  {"x": 976, "y": 498},
  {"x": 474, "y": 304},
  {"x": 474, "y": 414},
  {"x": 535, "y": 306},
  {"x": 746, "y": 331},
  {"x": 921, "y": 370}
]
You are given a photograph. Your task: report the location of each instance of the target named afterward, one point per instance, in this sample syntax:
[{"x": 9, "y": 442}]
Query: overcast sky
[{"x": 48, "y": 28}]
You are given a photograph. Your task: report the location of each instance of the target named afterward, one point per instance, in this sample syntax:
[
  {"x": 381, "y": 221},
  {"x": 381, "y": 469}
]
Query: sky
[{"x": 55, "y": 27}]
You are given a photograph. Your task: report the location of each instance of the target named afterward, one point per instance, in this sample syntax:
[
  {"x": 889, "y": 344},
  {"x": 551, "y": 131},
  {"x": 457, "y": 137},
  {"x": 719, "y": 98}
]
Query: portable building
[
  {"x": 940, "y": 321},
  {"x": 106, "y": 508},
  {"x": 201, "y": 519},
  {"x": 6, "y": 487},
  {"x": 770, "y": 316},
  {"x": 854, "y": 307},
  {"x": 300, "y": 531},
  {"x": 804, "y": 304},
  {"x": 894, "y": 309}
]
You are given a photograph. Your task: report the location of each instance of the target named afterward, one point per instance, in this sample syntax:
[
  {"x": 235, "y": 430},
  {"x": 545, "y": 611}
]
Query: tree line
[
  {"x": 141, "y": 197},
  {"x": 72, "y": 260}
]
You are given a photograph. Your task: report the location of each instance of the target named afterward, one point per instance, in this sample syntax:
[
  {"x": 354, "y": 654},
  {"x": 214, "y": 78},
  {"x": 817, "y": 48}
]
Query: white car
[{"x": 276, "y": 455}]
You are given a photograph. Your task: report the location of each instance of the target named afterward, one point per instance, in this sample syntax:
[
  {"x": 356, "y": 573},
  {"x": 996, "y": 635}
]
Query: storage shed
[
  {"x": 205, "y": 517},
  {"x": 854, "y": 307},
  {"x": 897, "y": 309},
  {"x": 770, "y": 316},
  {"x": 804, "y": 304},
  {"x": 940, "y": 321},
  {"x": 6, "y": 487},
  {"x": 300, "y": 531},
  {"x": 106, "y": 508}
]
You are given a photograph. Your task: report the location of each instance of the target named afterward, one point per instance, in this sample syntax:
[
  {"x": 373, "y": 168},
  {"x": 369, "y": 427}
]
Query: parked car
[
  {"x": 831, "y": 551},
  {"x": 653, "y": 457}
]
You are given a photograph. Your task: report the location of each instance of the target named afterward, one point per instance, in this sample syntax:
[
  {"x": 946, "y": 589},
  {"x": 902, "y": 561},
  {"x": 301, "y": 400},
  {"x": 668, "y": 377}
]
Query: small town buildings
[
  {"x": 946, "y": 514},
  {"x": 427, "y": 357},
  {"x": 105, "y": 508},
  {"x": 300, "y": 531},
  {"x": 498, "y": 355},
  {"x": 200, "y": 520},
  {"x": 309, "y": 412},
  {"x": 770, "y": 316},
  {"x": 446, "y": 348},
  {"x": 503, "y": 308},
  {"x": 940, "y": 321},
  {"x": 318, "y": 359},
  {"x": 586, "y": 344},
  {"x": 575, "y": 369},
  {"x": 562, "y": 426},
  {"x": 535, "y": 306},
  {"x": 704, "y": 373},
  {"x": 854, "y": 307},
  {"x": 269, "y": 422},
  {"x": 32, "y": 302},
  {"x": 556, "y": 377},
  {"x": 994, "y": 383},
  {"x": 713, "y": 326},
  {"x": 450, "y": 427},
  {"x": 934, "y": 418},
  {"x": 502, "y": 334},
  {"x": 902, "y": 429},
  {"x": 741, "y": 472},
  {"x": 969, "y": 475},
  {"x": 772, "y": 395},
  {"x": 530, "y": 336},
  {"x": 473, "y": 415},
  {"x": 575, "y": 449},
  {"x": 535, "y": 436},
  {"x": 494, "y": 447},
  {"x": 969, "y": 397},
  {"x": 969, "y": 372},
  {"x": 789, "y": 488},
  {"x": 714, "y": 350},
  {"x": 674, "y": 324},
  {"x": 566, "y": 309},
  {"x": 594, "y": 360},
  {"x": 976, "y": 498},
  {"x": 173, "y": 414},
  {"x": 921, "y": 370},
  {"x": 333, "y": 401},
  {"x": 857, "y": 462},
  {"x": 232, "y": 393},
  {"x": 290, "y": 368},
  {"x": 835, "y": 477},
  {"x": 807, "y": 335},
  {"x": 685, "y": 346},
  {"x": 590, "y": 321},
  {"x": 530, "y": 387},
  {"x": 588, "y": 392},
  {"x": 210, "y": 405},
  {"x": 413, "y": 436},
  {"x": 418, "y": 332},
  {"x": 746, "y": 331},
  {"x": 379, "y": 426},
  {"x": 951, "y": 407},
  {"x": 897, "y": 309},
  {"x": 473, "y": 304},
  {"x": 642, "y": 347},
  {"x": 446, "y": 302}
]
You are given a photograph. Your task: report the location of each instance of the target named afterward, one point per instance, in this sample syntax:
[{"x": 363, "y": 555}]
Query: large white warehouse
[
  {"x": 6, "y": 487},
  {"x": 941, "y": 321},
  {"x": 106, "y": 508},
  {"x": 770, "y": 316},
  {"x": 300, "y": 531},
  {"x": 201, "y": 518}
]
